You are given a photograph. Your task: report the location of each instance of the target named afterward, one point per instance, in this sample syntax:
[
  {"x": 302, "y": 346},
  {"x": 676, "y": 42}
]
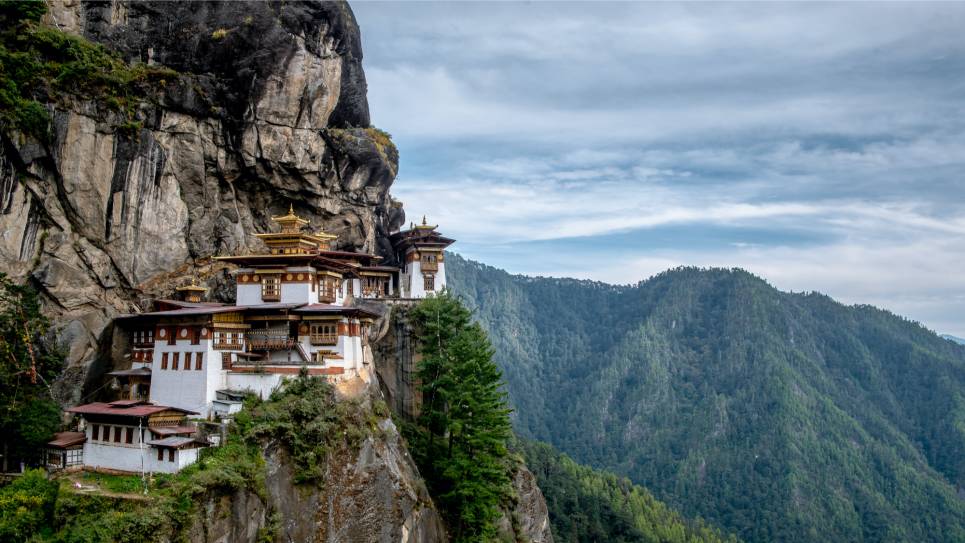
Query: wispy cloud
[{"x": 819, "y": 145}]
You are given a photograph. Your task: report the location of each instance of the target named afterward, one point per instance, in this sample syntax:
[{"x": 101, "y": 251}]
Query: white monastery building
[{"x": 297, "y": 310}]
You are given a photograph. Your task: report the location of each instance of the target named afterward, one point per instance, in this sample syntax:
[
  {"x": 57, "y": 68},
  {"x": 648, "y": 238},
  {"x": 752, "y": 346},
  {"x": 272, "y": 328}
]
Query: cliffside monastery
[{"x": 297, "y": 309}]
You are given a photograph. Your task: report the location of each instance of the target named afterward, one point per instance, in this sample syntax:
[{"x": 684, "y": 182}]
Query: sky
[{"x": 819, "y": 146}]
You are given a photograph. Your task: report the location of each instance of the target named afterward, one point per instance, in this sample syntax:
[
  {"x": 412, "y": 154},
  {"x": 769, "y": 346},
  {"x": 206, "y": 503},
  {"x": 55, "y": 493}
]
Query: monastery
[{"x": 296, "y": 310}]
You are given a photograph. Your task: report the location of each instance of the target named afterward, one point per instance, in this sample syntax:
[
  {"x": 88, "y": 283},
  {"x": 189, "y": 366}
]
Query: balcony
[{"x": 256, "y": 342}]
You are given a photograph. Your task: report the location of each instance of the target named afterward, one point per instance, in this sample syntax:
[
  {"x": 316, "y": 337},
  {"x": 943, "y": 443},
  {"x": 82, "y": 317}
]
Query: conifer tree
[{"x": 464, "y": 423}]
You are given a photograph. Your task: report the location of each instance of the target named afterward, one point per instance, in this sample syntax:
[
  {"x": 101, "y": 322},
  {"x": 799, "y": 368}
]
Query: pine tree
[{"x": 464, "y": 422}]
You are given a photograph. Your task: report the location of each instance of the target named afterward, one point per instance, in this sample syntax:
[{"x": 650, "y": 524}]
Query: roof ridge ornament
[{"x": 425, "y": 225}]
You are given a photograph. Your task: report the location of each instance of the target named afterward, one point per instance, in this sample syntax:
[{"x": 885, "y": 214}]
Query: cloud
[{"x": 819, "y": 145}]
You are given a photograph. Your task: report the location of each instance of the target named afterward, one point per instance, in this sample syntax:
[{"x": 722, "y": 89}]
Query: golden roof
[
  {"x": 425, "y": 225},
  {"x": 193, "y": 287},
  {"x": 291, "y": 223},
  {"x": 291, "y": 239}
]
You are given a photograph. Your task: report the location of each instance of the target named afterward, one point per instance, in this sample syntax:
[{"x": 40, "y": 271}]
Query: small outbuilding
[{"x": 66, "y": 450}]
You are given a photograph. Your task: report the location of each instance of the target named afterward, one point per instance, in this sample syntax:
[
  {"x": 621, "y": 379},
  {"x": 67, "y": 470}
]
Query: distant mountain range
[{"x": 778, "y": 416}]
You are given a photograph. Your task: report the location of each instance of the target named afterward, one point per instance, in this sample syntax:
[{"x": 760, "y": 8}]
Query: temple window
[
  {"x": 197, "y": 360},
  {"x": 429, "y": 262},
  {"x": 160, "y": 455},
  {"x": 143, "y": 338},
  {"x": 429, "y": 282},
  {"x": 170, "y": 455},
  {"x": 129, "y": 435},
  {"x": 324, "y": 334},
  {"x": 271, "y": 288},
  {"x": 373, "y": 286},
  {"x": 164, "y": 361},
  {"x": 327, "y": 286},
  {"x": 95, "y": 432},
  {"x": 175, "y": 361}
]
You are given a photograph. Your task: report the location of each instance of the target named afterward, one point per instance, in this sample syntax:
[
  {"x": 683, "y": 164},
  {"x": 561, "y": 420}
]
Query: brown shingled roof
[
  {"x": 139, "y": 410},
  {"x": 63, "y": 440}
]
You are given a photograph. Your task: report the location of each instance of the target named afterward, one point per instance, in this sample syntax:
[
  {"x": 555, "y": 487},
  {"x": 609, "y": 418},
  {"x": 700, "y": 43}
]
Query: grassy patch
[{"x": 122, "y": 484}]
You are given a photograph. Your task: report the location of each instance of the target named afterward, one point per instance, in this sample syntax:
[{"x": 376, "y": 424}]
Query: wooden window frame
[
  {"x": 170, "y": 455},
  {"x": 175, "y": 361},
  {"x": 327, "y": 289},
  {"x": 95, "y": 432},
  {"x": 197, "y": 361},
  {"x": 160, "y": 454},
  {"x": 429, "y": 262},
  {"x": 226, "y": 361},
  {"x": 374, "y": 286},
  {"x": 164, "y": 361},
  {"x": 429, "y": 283},
  {"x": 271, "y": 288},
  {"x": 323, "y": 333},
  {"x": 172, "y": 335},
  {"x": 117, "y": 434},
  {"x": 129, "y": 435}
]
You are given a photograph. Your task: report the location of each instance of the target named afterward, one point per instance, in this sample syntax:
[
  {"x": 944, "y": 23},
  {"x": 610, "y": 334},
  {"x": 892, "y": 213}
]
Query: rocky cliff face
[
  {"x": 267, "y": 108},
  {"x": 370, "y": 494}
]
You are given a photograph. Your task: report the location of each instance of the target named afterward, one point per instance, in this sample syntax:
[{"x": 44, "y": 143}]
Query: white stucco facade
[
  {"x": 413, "y": 280},
  {"x": 186, "y": 387},
  {"x": 135, "y": 457}
]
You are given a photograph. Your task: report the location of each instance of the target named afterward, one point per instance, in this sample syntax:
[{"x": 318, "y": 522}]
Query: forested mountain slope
[
  {"x": 591, "y": 505},
  {"x": 781, "y": 416}
]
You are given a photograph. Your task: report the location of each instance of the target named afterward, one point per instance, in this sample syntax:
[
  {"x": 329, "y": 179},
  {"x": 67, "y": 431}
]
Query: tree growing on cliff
[
  {"x": 463, "y": 428},
  {"x": 28, "y": 414}
]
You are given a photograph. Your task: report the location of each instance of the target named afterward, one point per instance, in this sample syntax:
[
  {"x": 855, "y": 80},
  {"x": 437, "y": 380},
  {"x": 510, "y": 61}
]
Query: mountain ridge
[{"x": 708, "y": 386}]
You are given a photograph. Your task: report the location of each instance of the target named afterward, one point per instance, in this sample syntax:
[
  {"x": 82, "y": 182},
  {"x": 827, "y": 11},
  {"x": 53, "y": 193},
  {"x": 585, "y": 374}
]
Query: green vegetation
[
  {"x": 26, "y": 505},
  {"x": 28, "y": 414},
  {"x": 310, "y": 421},
  {"x": 778, "y": 416},
  {"x": 40, "y": 65},
  {"x": 462, "y": 432},
  {"x": 303, "y": 416},
  {"x": 590, "y": 505},
  {"x": 383, "y": 142}
]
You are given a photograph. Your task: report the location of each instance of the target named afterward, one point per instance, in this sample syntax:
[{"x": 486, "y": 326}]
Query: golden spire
[
  {"x": 291, "y": 223},
  {"x": 425, "y": 225}
]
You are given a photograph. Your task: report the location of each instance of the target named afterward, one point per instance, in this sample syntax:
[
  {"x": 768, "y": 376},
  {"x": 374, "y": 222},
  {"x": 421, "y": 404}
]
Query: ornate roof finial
[
  {"x": 424, "y": 220},
  {"x": 291, "y": 223}
]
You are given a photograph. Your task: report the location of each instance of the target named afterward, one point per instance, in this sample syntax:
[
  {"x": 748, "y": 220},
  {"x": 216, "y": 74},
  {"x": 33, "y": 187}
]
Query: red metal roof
[
  {"x": 62, "y": 440},
  {"x": 126, "y": 403},
  {"x": 140, "y": 410},
  {"x": 185, "y": 312},
  {"x": 173, "y": 430},
  {"x": 173, "y": 442}
]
